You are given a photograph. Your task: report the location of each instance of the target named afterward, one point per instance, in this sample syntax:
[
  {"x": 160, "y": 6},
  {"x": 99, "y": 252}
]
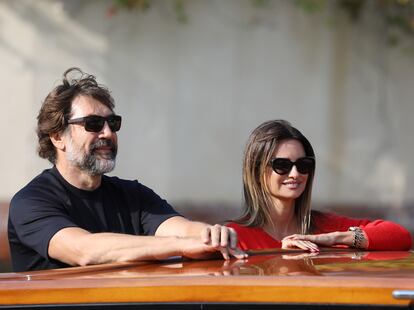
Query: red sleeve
[{"x": 382, "y": 235}]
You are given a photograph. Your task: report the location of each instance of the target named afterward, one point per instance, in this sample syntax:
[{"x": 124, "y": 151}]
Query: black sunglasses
[
  {"x": 95, "y": 123},
  {"x": 283, "y": 165}
]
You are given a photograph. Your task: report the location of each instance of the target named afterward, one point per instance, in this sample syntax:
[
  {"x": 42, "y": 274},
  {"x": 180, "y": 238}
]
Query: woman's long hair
[{"x": 260, "y": 148}]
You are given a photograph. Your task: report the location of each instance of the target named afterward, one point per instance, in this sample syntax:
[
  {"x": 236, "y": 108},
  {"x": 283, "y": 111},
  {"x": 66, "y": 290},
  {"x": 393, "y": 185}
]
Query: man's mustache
[{"x": 104, "y": 143}]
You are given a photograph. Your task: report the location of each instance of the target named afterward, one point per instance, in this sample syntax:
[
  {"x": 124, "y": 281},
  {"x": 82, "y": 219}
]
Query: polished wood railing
[
  {"x": 5, "y": 263},
  {"x": 331, "y": 277}
]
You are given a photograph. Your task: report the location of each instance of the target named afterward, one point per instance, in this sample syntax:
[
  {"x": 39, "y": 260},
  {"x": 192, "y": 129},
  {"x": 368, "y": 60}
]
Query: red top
[{"x": 382, "y": 235}]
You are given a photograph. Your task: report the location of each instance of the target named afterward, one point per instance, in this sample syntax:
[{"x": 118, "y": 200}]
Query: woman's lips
[{"x": 292, "y": 184}]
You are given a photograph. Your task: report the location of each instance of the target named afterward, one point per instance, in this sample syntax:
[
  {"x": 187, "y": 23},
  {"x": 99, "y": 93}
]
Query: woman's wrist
[
  {"x": 345, "y": 238},
  {"x": 360, "y": 240}
]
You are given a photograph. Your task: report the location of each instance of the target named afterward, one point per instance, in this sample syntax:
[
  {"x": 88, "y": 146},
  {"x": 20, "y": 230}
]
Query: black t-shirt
[{"x": 49, "y": 203}]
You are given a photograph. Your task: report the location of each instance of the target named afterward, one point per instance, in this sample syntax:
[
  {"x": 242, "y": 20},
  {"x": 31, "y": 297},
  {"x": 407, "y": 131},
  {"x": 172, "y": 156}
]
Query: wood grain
[{"x": 337, "y": 277}]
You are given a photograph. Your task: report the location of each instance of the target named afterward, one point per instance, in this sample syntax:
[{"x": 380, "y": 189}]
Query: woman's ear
[{"x": 57, "y": 140}]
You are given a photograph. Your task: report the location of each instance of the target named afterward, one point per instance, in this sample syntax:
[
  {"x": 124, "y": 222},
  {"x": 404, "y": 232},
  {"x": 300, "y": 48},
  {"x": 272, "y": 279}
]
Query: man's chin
[
  {"x": 101, "y": 171},
  {"x": 106, "y": 155},
  {"x": 101, "y": 166}
]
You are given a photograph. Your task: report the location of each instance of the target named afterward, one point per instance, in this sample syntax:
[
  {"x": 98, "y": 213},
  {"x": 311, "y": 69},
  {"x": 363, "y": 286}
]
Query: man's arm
[
  {"x": 77, "y": 247},
  {"x": 220, "y": 237}
]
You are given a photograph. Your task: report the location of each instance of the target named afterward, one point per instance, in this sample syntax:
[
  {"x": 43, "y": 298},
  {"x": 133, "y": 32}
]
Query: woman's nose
[{"x": 294, "y": 171}]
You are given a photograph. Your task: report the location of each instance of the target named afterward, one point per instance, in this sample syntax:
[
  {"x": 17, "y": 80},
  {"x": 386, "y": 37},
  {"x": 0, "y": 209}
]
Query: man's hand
[
  {"x": 219, "y": 235},
  {"x": 223, "y": 239},
  {"x": 215, "y": 238},
  {"x": 195, "y": 248}
]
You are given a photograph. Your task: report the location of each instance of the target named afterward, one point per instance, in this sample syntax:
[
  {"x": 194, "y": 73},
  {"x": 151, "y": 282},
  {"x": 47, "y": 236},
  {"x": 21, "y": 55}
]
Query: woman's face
[{"x": 292, "y": 184}]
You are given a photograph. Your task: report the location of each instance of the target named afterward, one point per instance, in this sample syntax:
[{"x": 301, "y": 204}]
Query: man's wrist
[{"x": 176, "y": 244}]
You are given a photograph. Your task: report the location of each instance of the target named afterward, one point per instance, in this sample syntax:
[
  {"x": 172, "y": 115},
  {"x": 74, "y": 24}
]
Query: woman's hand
[
  {"x": 328, "y": 239},
  {"x": 291, "y": 243}
]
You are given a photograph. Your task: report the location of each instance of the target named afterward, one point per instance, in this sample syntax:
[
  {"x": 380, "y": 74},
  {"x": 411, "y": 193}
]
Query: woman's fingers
[
  {"x": 301, "y": 244},
  {"x": 306, "y": 245}
]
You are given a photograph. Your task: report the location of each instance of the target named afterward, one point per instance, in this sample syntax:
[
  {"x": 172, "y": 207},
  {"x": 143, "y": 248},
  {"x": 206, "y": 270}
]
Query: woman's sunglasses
[
  {"x": 95, "y": 123},
  {"x": 283, "y": 165}
]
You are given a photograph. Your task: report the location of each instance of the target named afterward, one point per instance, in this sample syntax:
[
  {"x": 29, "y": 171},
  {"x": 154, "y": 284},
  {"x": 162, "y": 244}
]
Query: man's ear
[{"x": 57, "y": 140}]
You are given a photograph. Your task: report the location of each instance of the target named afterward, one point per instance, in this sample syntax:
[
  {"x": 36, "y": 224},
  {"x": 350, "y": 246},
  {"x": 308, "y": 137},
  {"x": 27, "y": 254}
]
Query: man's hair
[
  {"x": 259, "y": 151},
  {"x": 57, "y": 107}
]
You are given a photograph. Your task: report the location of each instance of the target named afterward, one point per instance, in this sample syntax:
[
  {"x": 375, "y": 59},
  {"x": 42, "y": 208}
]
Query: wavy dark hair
[
  {"x": 259, "y": 150},
  {"x": 57, "y": 107}
]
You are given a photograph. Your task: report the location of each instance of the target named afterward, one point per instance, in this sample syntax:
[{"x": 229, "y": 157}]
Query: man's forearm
[
  {"x": 78, "y": 247},
  {"x": 181, "y": 227},
  {"x": 109, "y": 247}
]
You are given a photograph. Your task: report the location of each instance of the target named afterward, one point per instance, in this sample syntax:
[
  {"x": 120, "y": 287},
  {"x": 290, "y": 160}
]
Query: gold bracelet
[{"x": 359, "y": 237}]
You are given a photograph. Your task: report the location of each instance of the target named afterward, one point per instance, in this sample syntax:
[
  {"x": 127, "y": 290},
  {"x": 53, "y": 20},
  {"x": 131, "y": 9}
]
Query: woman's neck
[{"x": 284, "y": 222}]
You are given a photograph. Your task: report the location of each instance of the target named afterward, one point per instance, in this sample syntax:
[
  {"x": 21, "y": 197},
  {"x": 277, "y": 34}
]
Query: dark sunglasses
[
  {"x": 283, "y": 165},
  {"x": 95, "y": 123}
]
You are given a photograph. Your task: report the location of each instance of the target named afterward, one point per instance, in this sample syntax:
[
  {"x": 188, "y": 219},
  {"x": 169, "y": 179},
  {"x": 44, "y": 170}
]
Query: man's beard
[{"x": 89, "y": 161}]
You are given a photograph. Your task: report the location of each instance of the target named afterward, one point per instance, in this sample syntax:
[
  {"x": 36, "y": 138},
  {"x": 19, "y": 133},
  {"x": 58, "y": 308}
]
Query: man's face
[{"x": 91, "y": 152}]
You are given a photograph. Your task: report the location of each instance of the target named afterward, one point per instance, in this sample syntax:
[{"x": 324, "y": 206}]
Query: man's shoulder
[{"x": 42, "y": 184}]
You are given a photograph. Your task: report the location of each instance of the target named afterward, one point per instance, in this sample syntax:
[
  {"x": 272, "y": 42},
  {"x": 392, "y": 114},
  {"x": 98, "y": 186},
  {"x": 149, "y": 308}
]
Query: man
[{"x": 74, "y": 215}]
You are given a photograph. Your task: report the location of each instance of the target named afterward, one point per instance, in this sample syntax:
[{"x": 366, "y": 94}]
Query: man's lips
[{"x": 104, "y": 150}]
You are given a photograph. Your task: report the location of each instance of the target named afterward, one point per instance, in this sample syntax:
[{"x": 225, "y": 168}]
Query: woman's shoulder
[
  {"x": 242, "y": 228},
  {"x": 327, "y": 216},
  {"x": 253, "y": 238},
  {"x": 234, "y": 225}
]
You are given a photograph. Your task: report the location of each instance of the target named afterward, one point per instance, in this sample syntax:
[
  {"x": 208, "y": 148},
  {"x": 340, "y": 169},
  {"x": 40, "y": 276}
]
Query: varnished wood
[
  {"x": 292, "y": 277},
  {"x": 4, "y": 244}
]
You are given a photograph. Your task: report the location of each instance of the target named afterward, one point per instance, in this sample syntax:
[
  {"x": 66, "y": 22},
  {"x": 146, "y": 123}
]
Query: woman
[{"x": 278, "y": 171}]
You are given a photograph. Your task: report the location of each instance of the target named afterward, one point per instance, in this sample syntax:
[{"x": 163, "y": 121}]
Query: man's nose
[{"x": 106, "y": 131}]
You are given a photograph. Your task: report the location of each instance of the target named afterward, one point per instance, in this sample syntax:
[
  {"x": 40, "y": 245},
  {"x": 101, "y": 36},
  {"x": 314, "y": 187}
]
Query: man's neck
[{"x": 78, "y": 178}]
